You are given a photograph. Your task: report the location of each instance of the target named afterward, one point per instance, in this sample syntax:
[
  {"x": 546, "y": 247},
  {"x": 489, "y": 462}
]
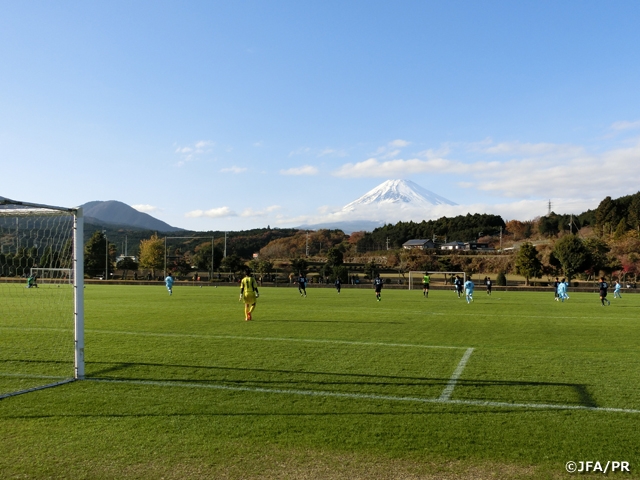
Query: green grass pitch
[{"x": 513, "y": 385}]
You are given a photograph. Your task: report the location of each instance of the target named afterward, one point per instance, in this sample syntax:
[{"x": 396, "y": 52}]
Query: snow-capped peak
[{"x": 398, "y": 192}]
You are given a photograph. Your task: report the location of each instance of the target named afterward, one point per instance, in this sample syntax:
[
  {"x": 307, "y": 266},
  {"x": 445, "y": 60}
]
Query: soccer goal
[
  {"x": 41, "y": 296},
  {"x": 50, "y": 275},
  {"x": 446, "y": 278}
]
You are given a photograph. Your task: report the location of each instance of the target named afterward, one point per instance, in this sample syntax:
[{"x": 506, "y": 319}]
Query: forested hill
[{"x": 463, "y": 228}]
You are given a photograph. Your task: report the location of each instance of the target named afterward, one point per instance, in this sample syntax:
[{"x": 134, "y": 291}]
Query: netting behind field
[{"x": 36, "y": 298}]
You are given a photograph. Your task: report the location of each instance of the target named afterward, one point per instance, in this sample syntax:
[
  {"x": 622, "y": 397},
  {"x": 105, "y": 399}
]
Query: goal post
[
  {"x": 41, "y": 296},
  {"x": 444, "y": 278}
]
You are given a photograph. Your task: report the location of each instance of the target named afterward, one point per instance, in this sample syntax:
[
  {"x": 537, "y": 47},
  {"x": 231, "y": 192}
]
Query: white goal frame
[
  {"x": 417, "y": 274},
  {"x": 44, "y": 273},
  {"x": 26, "y": 209}
]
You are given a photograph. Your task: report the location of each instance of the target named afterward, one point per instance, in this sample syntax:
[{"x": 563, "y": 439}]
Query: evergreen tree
[
  {"x": 528, "y": 263},
  {"x": 572, "y": 255}
]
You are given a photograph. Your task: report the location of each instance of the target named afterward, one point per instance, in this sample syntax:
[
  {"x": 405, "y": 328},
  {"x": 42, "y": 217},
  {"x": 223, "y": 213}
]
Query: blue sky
[{"x": 235, "y": 115}]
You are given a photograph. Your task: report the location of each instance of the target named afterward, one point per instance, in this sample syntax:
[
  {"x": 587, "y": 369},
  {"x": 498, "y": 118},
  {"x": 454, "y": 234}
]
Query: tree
[
  {"x": 597, "y": 250},
  {"x": 202, "y": 257},
  {"x": 152, "y": 254},
  {"x": 335, "y": 257},
  {"x": 572, "y": 255},
  {"x": 233, "y": 263},
  {"x": 96, "y": 260},
  {"x": 607, "y": 215},
  {"x": 126, "y": 264},
  {"x": 299, "y": 265},
  {"x": 528, "y": 263}
]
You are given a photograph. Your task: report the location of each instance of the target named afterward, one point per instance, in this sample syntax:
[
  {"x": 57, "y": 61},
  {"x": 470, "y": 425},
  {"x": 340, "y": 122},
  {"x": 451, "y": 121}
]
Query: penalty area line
[
  {"x": 363, "y": 396},
  {"x": 272, "y": 339},
  {"x": 448, "y": 390}
]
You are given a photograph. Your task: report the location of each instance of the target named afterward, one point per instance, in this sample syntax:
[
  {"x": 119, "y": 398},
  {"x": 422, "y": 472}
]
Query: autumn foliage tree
[{"x": 152, "y": 254}]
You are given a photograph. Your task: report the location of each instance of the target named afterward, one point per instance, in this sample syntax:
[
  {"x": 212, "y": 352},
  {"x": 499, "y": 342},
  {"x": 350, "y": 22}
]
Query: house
[
  {"x": 418, "y": 243},
  {"x": 452, "y": 246},
  {"x": 475, "y": 246}
]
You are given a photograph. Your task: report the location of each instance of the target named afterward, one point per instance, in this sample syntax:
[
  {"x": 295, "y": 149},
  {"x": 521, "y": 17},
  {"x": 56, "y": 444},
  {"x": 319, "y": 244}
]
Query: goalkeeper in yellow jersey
[{"x": 248, "y": 294}]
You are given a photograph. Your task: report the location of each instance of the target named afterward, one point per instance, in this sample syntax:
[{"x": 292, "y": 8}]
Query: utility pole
[
  {"x": 387, "y": 243},
  {"x": 106, "y": 256},
  {"x": 500, "y": 238},
  {"x": 307, "y": 246},
  {"x": 549, "y": 209},
  {"x": 225, "y": 244}
]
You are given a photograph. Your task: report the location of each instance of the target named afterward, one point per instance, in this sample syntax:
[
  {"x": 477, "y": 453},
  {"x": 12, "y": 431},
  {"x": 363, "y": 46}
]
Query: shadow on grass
[{"x": 317, "y": 381}]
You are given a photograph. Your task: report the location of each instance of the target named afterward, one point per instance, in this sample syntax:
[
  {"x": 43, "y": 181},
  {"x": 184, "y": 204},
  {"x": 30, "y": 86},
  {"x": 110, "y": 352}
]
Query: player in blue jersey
[
  {"x": 377, "y": 285},
  {"x": 468, "y": 288},
  {"x": 169, "y": 283},
  {"x": 562, "y": 290},
  {"x": 616, "y": 290}
]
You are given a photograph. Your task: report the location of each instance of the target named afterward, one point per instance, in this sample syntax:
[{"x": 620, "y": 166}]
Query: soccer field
[{"x": 513, "y": 385}]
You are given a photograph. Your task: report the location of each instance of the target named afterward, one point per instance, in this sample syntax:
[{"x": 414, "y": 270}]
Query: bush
[{"x": 501, "y": 280}]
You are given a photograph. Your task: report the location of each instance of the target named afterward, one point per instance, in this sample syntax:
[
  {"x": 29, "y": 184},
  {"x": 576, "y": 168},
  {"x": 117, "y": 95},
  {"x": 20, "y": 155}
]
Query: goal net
[
  {"x": 41, "y": 296},
  {"x": 437, "y": 278}
]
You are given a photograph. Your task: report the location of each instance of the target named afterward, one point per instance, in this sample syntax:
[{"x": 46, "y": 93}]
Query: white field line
[
  {"x": 365, "y": 396},
  {"x": 272, "y": 339},
  {"x": 448, "y": 390}
]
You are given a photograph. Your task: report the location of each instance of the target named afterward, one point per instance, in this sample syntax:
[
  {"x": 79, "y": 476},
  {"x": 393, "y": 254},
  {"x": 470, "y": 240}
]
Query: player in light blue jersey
[
  {"x": 169, "y": 283},
  {"x": 616, "y": 290},
  {"x": 562, "y": 291},
  {"x": 468, "y": 288}
]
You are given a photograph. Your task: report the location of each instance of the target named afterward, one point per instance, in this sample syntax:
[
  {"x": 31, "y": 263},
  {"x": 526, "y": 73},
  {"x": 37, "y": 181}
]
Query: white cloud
[
  {"x": 145, "y": 208},
  {"x": 395, "y": 168},
  {"x": 233, "y": 169},
  {"x": 189, "y": 153},
  {"x": 249, "y": 212},
  {"x": 300, "y": 151},
  {"x": 303, "y": 170},
  {"x": 624, "y": 125},
  {"x": 399, "y": 143},
  {"x": 532, "y": 149},
  {"x": 212, "y": 213},
  {"x": 332, "y": 152}
]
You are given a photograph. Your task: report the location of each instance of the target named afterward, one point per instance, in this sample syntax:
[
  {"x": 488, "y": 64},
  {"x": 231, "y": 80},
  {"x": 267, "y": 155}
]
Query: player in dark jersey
[
  {"x": 603, "y": 286},
  {"x": 377, "y": 285},
  {"x": 555, "y": 289},
  {"x": 338, "y": 284},
  {"x": 302, "y": 285},
  {"x": 458, "y": 284}
]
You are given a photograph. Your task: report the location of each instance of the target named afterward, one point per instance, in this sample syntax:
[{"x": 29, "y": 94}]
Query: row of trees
[{"x": 570, "y": 256}]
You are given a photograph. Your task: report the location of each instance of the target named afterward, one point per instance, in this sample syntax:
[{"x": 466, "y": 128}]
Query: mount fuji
[
  {"x": 390, "y": 202},
  {"x": 398, "y": 192}
]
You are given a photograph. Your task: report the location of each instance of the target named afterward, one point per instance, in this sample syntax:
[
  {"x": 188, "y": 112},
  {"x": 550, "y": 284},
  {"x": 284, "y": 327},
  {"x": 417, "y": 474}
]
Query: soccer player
[
  {"x": 248, "y": 293},
  {"x": 377, "y": 285},
  {"x": 565, "y": 296},
  {"x": 616, "y": 290},
  {"x": 468, "y": 287},
  {"x": 458, "y": 284},
  {"x": 426, "y": 280},
  {"x": 169, "y": 283},
  {"x": 32, "y": 281},
  {"x": 555, "y": 289},
  {"x": 302, "y": 285},
  {"x": 603, "y": 292},
  {"x": 338, "y": 284},
  {"x": 489, "y": 285},
  {"x": 562, "y": 291}
]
